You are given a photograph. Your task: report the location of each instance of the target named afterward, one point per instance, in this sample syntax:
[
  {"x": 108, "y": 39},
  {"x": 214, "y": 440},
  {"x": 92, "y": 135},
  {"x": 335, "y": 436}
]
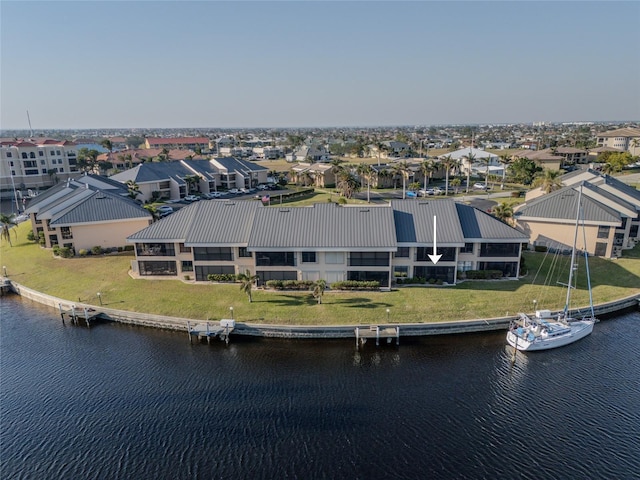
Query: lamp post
[
  {"x": 535, "y": 304},
  {"x": 231, "y": 310},
  {"x": 99, "y": 297},
  {"x": 388, "y": 311}
]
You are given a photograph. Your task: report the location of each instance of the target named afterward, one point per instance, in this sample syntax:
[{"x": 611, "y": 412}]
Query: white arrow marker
[{"x": 434, "y": 258}]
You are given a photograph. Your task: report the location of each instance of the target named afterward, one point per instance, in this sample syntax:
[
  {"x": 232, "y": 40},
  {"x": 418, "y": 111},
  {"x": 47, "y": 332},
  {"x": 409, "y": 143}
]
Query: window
[
  {"x": 243, "y": 253},
  {"x": 446, "y": 274},
  {"x": 213, "y": 253},
  {"x": 11, "y": 163},
  {"x": 400, "y": 271},
  {"x": 499, "y": 249},
  {"x": 57, "y": 152},
  {"x": 369, "y": 259},
  {"x": 62, "y": 170},
  {"x": 187, "y": 266},
  {"x": 155, "y": 250},
  {"x": 32, "y": 171},
  {"x": 601, "y": 249},
  {"x": 53, "y": 239},
  {"x": 66, "y": 233},
  {"x": 203, "y": 271},
  {"x": 448, "y": 254},
  {"x": 32, "y": 155},
  {"x": 508, "y": 269},
  {"x": 334, "y": 257},
  {"x": 468, "y": 248},
  {"x": 367, "y": 276},
  {"x": 157, "y": 268},
  {"x": 265, "y": 275},
  {"x": 30, "y": 164},
  {"x": 184, "y": 249},
  {"x": 403, "y": 252},
  {"x": 308, "y": 257},
  {"x": 8, "y": 154},
  {"x": 465, "y": 266},
  {"x": 24, "y": 155},
  {"x": 43, "y": 162},
  {"x": 40, "y": 153},
  {"x": 603, "y": 232},
  {"x": 265, "y": 259}
]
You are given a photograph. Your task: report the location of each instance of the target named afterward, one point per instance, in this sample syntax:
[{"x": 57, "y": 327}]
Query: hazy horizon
[{"x": 243, "y": 65}]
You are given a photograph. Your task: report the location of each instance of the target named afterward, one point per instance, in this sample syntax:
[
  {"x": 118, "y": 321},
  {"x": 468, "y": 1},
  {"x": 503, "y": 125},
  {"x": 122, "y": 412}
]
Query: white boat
[{"x": 545, "y": 331}]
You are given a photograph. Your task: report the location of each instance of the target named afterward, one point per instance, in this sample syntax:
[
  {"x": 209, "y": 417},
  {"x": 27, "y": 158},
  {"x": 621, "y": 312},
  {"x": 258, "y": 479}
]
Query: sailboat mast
[
  {"x": 586, "y": 263},
  {"x": 573, "y": 254}
]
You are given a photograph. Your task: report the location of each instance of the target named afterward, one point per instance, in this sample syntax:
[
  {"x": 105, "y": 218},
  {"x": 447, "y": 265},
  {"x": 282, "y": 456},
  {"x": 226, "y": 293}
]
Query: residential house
[
  {"x": 545, "y": 159},
  {"x": 85, "y": 212},
  {"x": 481, "y": 161},
  {"x": 313, "y": 153},
  {"x": 327, "y": 241},
  {"x": 626, "y": 139},
  {"x": 316, "y": 174}
]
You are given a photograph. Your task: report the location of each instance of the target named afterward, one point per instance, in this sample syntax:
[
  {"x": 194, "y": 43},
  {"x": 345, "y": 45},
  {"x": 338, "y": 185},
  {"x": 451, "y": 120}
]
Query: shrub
[
  {"x": 222, "y": 277},
  {"x": 128, "y": 248},
  {"x": 56, "y": 250},
  {"x": 119, "y": 249},
  {"x": 290, "y": 284},
  {"x": 30, "y": 236},
  {"x": 97, "y": 250},
  {"x": 83, "y": 252},
  {"x": 65, "y": 252},
  {"x": 483, "y": 274},
  {"x": 342, "y": 201},
  {"x": 41, "y": 239},
  {"x": 355, "y": 285},
  {"x": 187, "y": 277},
  {"x": 540, "y": 248}
]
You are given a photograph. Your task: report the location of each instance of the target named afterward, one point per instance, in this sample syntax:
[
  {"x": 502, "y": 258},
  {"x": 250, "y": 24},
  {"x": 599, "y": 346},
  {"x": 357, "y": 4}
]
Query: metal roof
[
  {"x": 100, "y": 206},
  {"x": 222, "y": 222},
  {"x": 478, "y": 225},
  {"x": 414, "y": 222},
  {"x": 324, "y": 226}
]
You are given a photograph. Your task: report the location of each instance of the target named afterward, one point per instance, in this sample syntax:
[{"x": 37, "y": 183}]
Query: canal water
[{"x": 117, "y": 401}]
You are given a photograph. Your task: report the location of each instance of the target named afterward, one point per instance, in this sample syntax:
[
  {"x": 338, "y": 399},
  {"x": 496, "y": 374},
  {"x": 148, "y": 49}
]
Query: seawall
[{"x": 302, "y": 331}]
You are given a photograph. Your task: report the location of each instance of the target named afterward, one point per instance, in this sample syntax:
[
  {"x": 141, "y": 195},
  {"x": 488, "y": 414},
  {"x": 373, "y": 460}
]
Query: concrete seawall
[{"x": 301, "y": 331}]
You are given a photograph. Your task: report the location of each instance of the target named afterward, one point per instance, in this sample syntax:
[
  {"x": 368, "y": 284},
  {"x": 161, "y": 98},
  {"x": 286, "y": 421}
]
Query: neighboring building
[
  {"x": 626, "y": 139},
  {"x": 86, "y": 212},
  {"x": 35, "y": 164},
  {"x": 169, "y": 178},
  {"x": 182, "y": 143},
  {"x": 545, "y": 159},
  {"x": 316, "y": 174},
  {"x": 611, "y": 212},
  {"x": 309, "y": 154},
  {"x": 480, "y": 160},
  {"x": 326, "y": 241}
]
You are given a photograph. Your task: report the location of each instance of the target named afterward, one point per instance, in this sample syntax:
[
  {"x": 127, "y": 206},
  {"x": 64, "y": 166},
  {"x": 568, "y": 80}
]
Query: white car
[
  {"x": 191, "y": 198},
  {"x": 164, "y": 210},
  {"x": 233, "y": 191},
  {"x": 212, "y": 195},
  {"x": 479, "y": 186}
]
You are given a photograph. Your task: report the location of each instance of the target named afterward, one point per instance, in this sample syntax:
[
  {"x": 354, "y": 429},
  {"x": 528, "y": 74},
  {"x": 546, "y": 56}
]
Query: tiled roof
[
  {"x": 177, "y": 140},
  {"x": 621, "y": 132}
]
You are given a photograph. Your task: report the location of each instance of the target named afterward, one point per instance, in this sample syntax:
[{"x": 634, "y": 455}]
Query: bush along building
[{"x": 334, "y": 243}]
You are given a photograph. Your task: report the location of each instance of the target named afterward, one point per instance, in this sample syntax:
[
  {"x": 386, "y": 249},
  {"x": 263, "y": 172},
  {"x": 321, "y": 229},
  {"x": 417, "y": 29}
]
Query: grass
[{"x": 79, "y": 279}]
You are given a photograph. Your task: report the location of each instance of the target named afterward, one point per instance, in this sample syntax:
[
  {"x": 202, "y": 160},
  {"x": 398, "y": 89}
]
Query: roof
[
  {"x": 323, "y": 226},
  {"x": 562, "y": 205},
  {"x": 176, "y": 140},
  {"x": 414, "y": 222},
  {"x": 100, "y": 206},
  {"x": 477, "y": 225},
  {"x": 621, "y": 132},
  {"x": 464, "y": 152}
]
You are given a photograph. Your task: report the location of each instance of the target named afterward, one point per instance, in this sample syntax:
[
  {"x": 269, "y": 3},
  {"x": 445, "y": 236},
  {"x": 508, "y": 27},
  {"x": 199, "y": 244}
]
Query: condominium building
[{"x": 626, "y": 139}]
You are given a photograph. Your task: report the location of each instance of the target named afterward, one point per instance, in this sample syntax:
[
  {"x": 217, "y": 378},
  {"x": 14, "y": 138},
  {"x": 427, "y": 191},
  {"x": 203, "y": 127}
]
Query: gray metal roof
[
  {"x": 100, "y": 206},
  {"x": 222, "y": 222},
  {"x": 233, "y": 164},
  {"x": 174, "y": 227},
  {"x": 563, "y": 204},
  {"x": 324, "y": 226},
  {"x": 414, "y": 222},
  {"x": 478, "y": 225}
]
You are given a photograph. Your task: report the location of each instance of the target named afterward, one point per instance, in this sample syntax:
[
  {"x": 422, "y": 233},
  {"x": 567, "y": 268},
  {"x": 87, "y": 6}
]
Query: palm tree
[
  {"x": 347, "y": 183},
  {"x": 318, "y": 290},
  {"x": 427, "y": 168},
  {"x": 8, "y": 221},
  {"x": 456, "y": 182},
  {"x": 106, "y": 143},
  {"x": 549, "y": 181},
  {"x": 191, "y": 181},
  {"x": 246, "y": 282},
  {"x": 402, "y": 169},
  {"x": 503, "y": 212},
  {"x": 133, "y": 189},
  {"x": 469, "y": 159},
  {"x": 448, "y": 163},
  {"x": 365, "y": 171},
  {"x": 505, "y": 160},
  {"x": 153, "y": 211},
  {"x": 486, "y": 161}
]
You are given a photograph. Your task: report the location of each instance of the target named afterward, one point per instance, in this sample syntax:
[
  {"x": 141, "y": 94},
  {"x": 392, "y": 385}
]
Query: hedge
[
  {"x": 483, "y": 274},
  {"x": 290, "y": 284},
  {"x": 355, "y": 285},
  {"x": 222, "y": 277}
]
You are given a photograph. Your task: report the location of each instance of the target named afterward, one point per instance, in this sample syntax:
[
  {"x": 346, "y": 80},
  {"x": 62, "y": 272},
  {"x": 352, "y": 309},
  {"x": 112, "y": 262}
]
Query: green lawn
[{"x": 79, "y": 279}]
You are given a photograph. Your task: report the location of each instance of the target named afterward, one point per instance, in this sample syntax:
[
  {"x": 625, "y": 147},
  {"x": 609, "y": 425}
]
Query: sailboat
[{"x": 545, "y": 331}]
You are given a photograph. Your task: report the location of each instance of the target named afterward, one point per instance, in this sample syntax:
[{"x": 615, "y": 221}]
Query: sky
[{"x": 210, "y": 64}]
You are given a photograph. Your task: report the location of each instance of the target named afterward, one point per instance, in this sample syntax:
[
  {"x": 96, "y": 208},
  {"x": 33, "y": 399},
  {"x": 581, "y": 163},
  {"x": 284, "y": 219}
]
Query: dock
[
  {"x": 76, "y": 314},
  {"x": 209, "y": 330},
  {"x": 377, "y": 332}
]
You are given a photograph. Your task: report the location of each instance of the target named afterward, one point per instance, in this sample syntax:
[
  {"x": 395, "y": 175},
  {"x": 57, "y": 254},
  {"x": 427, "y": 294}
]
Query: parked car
[
  {"x": 426, "y": 191},
  {"x": 263, "y": 186},
  {"x": 211, "y": 195},
  {"x": 233, "y": 191},
  {"x": 164, "y": 210},
  {"x": 191, "y": 198},
  {"x": 412, "y": 194},
  {"x": 479, "y": 186}
]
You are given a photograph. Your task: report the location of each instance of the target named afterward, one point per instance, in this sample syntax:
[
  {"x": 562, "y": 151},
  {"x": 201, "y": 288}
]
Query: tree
[
  {"x": 455, "y": 183},
  {"x": 246, "y": 282},
  {"x": 366, "y": 172},
  {"x": 191, "y": 181},
  {"x": 87, "y": 159},
  {"x": 318, "y": 290},
  {"x": 347, "y": 183},
  {"x": 469, "y": 159},
  {"x": 486, "y": 161},
  {"x": 8, "y": 222},
  {"x": 503, "y": 212},
  {"x": 447, "y": 163},
  {"x": 106, "y": 143},
  {"x": 505, "y": 160},
  {"x": 133, "y": 190},
  {"x": 549, "y": 181},
  {"x": 616, "y": 161},
  {"x": 427, "y": 167},
  {"x": 524, "y": 170},
  {"x": 153, "y": 211},
  {"x": 403, "y": 170}
]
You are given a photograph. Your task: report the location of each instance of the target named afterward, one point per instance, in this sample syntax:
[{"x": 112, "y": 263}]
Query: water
[{"x": 116, "y": 401}]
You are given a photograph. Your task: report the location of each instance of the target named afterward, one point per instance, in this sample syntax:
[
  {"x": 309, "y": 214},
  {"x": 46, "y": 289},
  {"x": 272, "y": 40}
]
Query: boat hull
[{"x": 579, "y": 329}]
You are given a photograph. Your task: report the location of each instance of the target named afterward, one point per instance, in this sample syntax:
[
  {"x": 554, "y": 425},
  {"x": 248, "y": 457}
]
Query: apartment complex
[
  {"x": 35, "y": 163},
  {"x": 626, "y": 139},
  {"x": 327, "y": 241}
]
